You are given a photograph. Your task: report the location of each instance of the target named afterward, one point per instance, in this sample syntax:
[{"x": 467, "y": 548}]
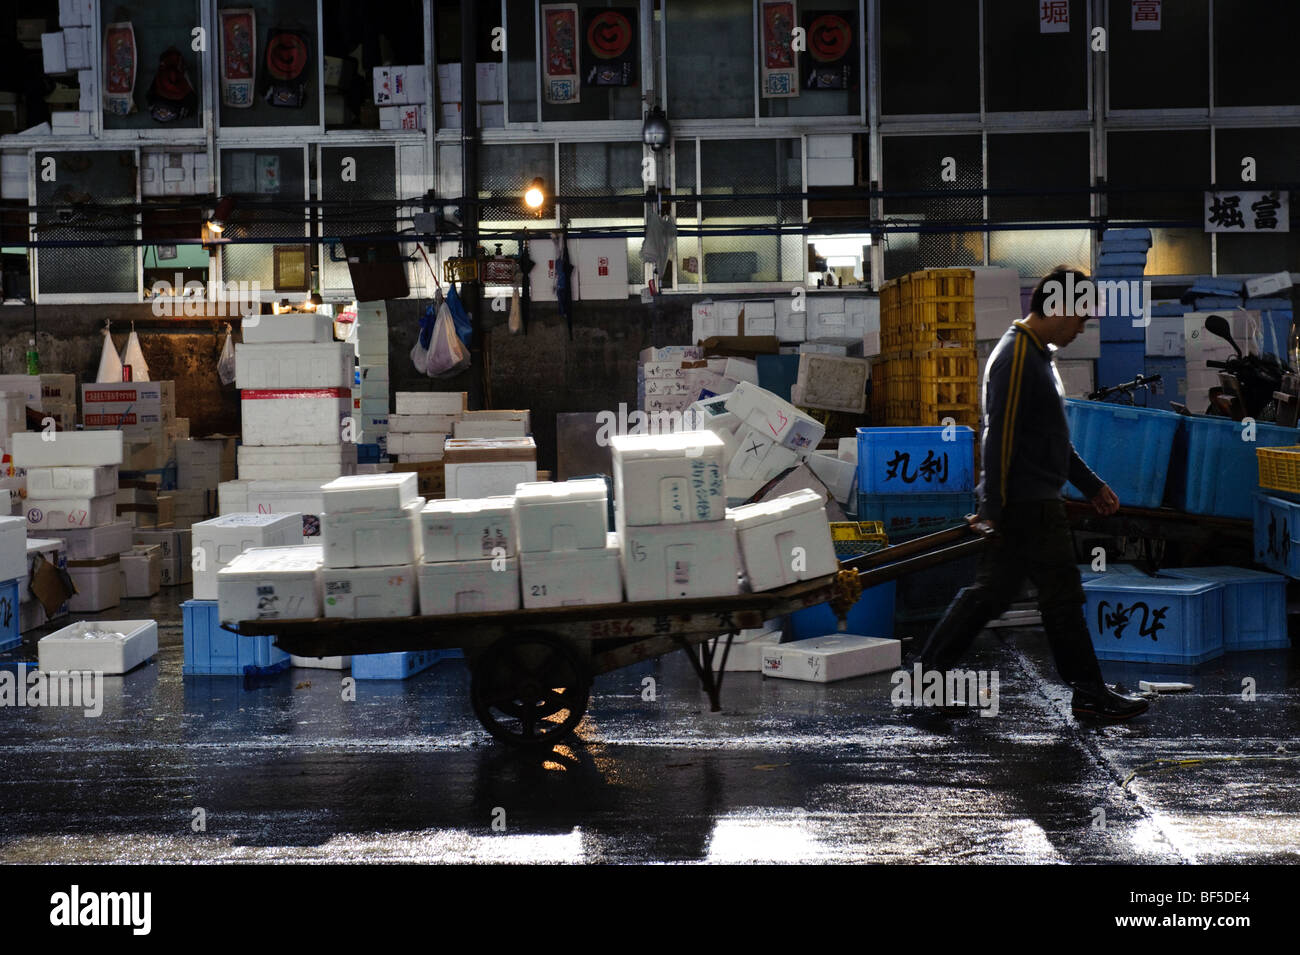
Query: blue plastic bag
[{"x": 464, "y": 327}]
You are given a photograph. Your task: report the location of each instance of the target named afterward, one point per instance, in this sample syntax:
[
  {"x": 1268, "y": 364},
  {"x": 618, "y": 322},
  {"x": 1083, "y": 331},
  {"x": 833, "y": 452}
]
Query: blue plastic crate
[
  {"x": 393, "y": 666},
  {"x": 1168, "y": 309},
  {"x": 1172, "y": 385},
  {"x": 1127, "y": 235},
  {"x": 871, "y": 616},
  {"x": 1205, "y": 303},
  {"x": 1157, "y": 620},
  {"x": 1109, "y": 246},
  {"x": 212, "y": 650},
  {"x": 1213, "y": 471},
  {"x": 1254, "y": 605},
  {"x": 777, "y": 373},
  {"x": 1112, "y": 256},
  {"x": 10, "y": 635},
  {"x": 1121, "y": 360},
  {"x": 1120, "y": 271},
  {"x": 1127, "y": 447},
  {"x": 916, "y": 460},
  {"x": 906, "y": 516},
  {"x": 1267, "y": 304},
  {"x": 368, "y": 453},
  {"x": 1277, "y": 534}
]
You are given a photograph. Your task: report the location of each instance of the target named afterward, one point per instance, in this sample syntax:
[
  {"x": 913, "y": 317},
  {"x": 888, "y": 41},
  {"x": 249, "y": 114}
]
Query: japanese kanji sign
[
  {"x": 1053, "y": 16},
  {"x": 1145, "y": 14},
  {"x": 1247, "y": 212}
]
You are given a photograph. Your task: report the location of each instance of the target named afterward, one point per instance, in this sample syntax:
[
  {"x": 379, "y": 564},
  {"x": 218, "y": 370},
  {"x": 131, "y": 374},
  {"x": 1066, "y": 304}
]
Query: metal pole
[{"x": 471, "y": 291}]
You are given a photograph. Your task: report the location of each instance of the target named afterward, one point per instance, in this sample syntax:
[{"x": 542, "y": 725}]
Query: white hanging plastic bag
[
  {"x": 420, "y": 351},
  {"x": 515, "y": 324},
  {"x": 110, "y": 365},
  {"x": 447, "y": 354},
  {"x": 226, "y": 363},
  {"x": 133, "y": 355}
]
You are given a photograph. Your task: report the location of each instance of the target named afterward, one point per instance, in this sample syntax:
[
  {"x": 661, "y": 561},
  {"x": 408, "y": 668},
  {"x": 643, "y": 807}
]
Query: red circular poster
[
  {"x": 608, "y": 34},
  {"x": 829, "y": 38}
]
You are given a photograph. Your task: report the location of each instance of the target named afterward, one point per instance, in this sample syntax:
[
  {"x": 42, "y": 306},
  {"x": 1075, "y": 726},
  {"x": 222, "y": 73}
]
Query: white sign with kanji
[
  {"x": 1247, "y": 211},
  {"x": 1145, "y": 14},
  {"x": 1053, "y": 16}
]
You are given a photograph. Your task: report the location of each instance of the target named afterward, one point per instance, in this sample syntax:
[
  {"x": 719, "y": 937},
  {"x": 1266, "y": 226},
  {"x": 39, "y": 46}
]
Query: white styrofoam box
[
  {"x": 92, "y": 543},
  {"x": 296, "y": 462},
  {"x": 399, "y": 85},
  {"x": 472, "y": 428},
  {"x": 449, "y": 88},
  {"x": 760, "y": 318},
  {"x": 68, "y": 449},
  {"x": 712, "y": 413},
  {"x": 286, "y": 497},
  {"x": 1202, "y": 345},
  {"x": 53, "y": 56},
  {"x": 669, "y": 478},
  {"x": 373, "y": 538},
  {"x": 997, "y": 301},
  {"x": 111, "y": 647},
  {"x": 602, "y": 267},
  {"x": 294, "y": 365},
  {"x": 488, "y": 82},
  {"x": 769, "y": 531},
  {"x": 279, "y": 583},
  {"x": 422, "y": 423},
  {"x": 834, "y": 383},
  {"x": 757, "y": 457},
  {"x": 294, "y": 416},
  {"x": 297, "y": 327},
  {"x": 409, "y": 116},
  {"x": 46, "y": 483},
  {"x": 430, "y": 403},
  {"x": 848, "y": 449},
  {"x": 774, "y": 418},
  {"x": 746, "y": 653},
  {"x": 830, "y": 658},
  {"x": 63, "y": 512},
  {"x": 837, "y": 475},
  {"x": 141, "y": 570},
  {"x": 488, "y": 478},
  {"x": 430, "y": 443},
  {"x": 383, "y": 492},
  {"x": 361, "y": 592},
  {"x": 418, "y": 458},
  {"x": 1166, "y": 335},
  {"x": 13, "y": 413},
  {"x": 98, "y": 587},
  {"x": 728, "y": 314},
  {"x": 826, "y": 316},
  {"x": 13, "y": 547},
  {"x": 1265, "y": 285},
  {"x": 13, "y": 176},
  {"x": 470, "y": 529},
  {"x": 741, "y": 369},
  {"x": 560, "y": 516},
  {"x": 1078, "y": 378},
  {"x": 232, "y": 497},
  {"x": 680, "y": 560},
  {"x": 469, "y": 586},
  {"x": 76, "y": 13},
  {"x": 1086, "y": 346},
  {"x": 563, "y": 578},
  {"x": 319, "y": 663},
  {"x": 77, "y": 47},
  {"x": 224, "y": 538},
  {"x": 791, "y": 321}
]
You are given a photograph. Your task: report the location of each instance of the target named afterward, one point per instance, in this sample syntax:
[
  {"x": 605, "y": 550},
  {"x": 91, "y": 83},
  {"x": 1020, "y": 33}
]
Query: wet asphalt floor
[{"x": 286, "y": 770}]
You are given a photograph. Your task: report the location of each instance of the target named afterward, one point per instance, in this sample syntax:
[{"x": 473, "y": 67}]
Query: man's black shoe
[{"x": 1103, "y": 703}]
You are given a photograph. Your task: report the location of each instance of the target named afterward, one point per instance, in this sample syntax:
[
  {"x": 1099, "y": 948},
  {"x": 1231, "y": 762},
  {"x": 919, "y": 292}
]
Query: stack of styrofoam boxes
[
  {"x": 72, "y": 50},
  {"x": 670, "y": 511},
  {"x": 470, "y": 558},
  {"x": 495, "y": 423},
  {"x": 1120, "y": 264},
  {"x": 139, "y": 502},
  {"x": 176, "y": 556},
  {"x": 144, "y": 411},
  {"x": 784, "y": 540},
  {"x": 71, "y": 484},
  {"x": 13, "y": 417},
  {"x": 13, "y": 572},
  {"x": 370, "y": 393},
  {"x": 422, "y": 422},
  {"x": 838, "y": 325},
  {"x": 276, "y": 583},
  {"x": 488, "y": 467},
  {"x": 661, "y": 377},
  {"x": 371, "y": 536},
  {"x": 53, "y": 395},
  {"x": 169, "y": 172},
  {"x": 1202, "y": 347},
  {"x": 400, "y": 96},
  {"x": 202, "y": 464},
  {"x": 295, "y": 398},
  {"x": 490, "y": 82},
  {"x": 31, "y": 612},
  {"x": 567, "y": 555}
]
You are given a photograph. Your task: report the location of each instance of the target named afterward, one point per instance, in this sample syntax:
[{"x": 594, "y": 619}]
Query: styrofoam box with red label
[
  {"x": 592, "y": 575},
  {"x": 469, "y": 586},
  {"x": 774, "y": 418},
  {"x": 746, "y": 653},
  {"x": 469, "y": 529},
  {"x": 47, "y": 483},
  {"x": 430, "y": 402},
  {"x": 373, "y": 538},
  {"x": 299, "y": 327},
  {"x": 830, "y": 658},
  {"x": 59, "y": 513},
  {"x": 360, "y": 592},
  {"x": 91, "y": 543},
  {"x": 294, "y": 365},
  {"x": 669, "y": 478},
  {"x": 13, "y": 547},
  {"x": 224, "y": 538},
  {"x": 277, "y": 583},
  {"x": 31, "y": 449},
  {"x": 111, "y": 647},
  {"x": 387, "y": 492},
  {"x": 560, "y": 516},
  {"x": 680, "y": 560},
  {"x": 770, "y": 531},
  {"x": 274, "y": 463},
  {"x": 141, "y": 569},
  {"x": 98, "y": 587},
  {"x": 286, "y": 416}
]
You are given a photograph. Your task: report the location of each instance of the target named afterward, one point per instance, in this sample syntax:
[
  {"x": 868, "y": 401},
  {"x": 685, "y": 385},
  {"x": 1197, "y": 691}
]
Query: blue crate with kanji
[
  {"x": 1154, "y": 619},
  {"x": 916, "y": 460}
]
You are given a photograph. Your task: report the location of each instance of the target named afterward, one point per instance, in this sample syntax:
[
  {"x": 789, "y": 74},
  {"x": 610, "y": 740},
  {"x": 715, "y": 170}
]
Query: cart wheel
[{"x": 529, "y": 689}]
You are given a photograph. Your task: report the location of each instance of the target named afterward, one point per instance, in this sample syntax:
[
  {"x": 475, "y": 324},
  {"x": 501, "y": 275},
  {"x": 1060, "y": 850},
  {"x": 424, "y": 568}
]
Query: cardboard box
[
  {"x": 407, "y": 117},
  {"x": 279, "y": 583},
  {"x": 373, "y": 538},
  {"x": 458, "y": 530},
  {"x": 110, "y": 647},
  {"x": 177, "y": 559},
  {"x": 680, "y": 560},
  {"x": 569, "y": 515},
  {"x": 668, "y": 478},
  {"x": 469, "y": 586},
  {"x": 219, "y": 541},
  {"x": 830, "y": 658},
  {"x": 67, "y": 449},
  {"x": 449, "y": 83},
  {"x": 363, "y": 592},
  {"x": 431, "y": 477},
  {"x": 399, "y": 85},
  {"x": 769, "y": 532},
  {"x": 564, "y": 578},
  {"x": 294, "y": 416}
]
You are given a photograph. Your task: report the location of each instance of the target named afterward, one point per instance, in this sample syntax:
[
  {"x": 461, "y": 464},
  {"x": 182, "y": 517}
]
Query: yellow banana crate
[
  {"x": 852, "y": 538},
  {"x": 1279, "y": 468}
]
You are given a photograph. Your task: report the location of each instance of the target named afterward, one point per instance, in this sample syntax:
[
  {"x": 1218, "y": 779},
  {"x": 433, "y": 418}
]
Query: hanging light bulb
[{"x": 535, "y": 195}]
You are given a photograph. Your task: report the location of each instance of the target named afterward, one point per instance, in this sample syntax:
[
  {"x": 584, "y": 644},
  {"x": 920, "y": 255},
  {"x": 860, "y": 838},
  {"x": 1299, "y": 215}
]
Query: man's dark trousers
[{"x": 1033, "y": 540}]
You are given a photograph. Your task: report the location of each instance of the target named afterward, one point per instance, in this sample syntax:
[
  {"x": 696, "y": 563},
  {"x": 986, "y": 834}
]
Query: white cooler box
[
  {"x": 746, "y": 655},
  {"x": 758, "y": 458},
  {"x": 488, "y": 478},
  {"x": 680, "y": 560},
  {"x": 111, "y": 647},
  {"x": 66, "y": 482},
  {"x": 467, "y": 529},
  {"x": 370, "y": 591},
  {"x": 296, "y": 365},
  {"x": 291, "y": 327},
  {"x": 826, "y": 659},
  {"x": 669, "y": 478},
  {"x": 224, "y": 538},
  {"x": 68, "y": 449},
  {"x": 384, "y": 538},
  {"x": 838, "y": 476},
  {"x": 370, "y": 492},
  {"x": 296, "y": 462},
  {"x": 774, "y": 418},
  {"x": 320, "y": 663},
  {"x": 564, "y": 516},
  {"x": 564, "y": 578},
  {"x": 274, "y": 417},
  {"x": 279, "y": 583},
  {"x": 98, "y": 583},
  {"x": 769, "y": 532},
  {"x": 88, "y": 543},
  {"x": 13, "y": 547},
  {"x": 430, "y": 402},
  {"x": 281, "y": 497},
  {"x": 469, "y": 586},
  {"x": 57, "y": 514},
  {"x": 141, "y": 569}
]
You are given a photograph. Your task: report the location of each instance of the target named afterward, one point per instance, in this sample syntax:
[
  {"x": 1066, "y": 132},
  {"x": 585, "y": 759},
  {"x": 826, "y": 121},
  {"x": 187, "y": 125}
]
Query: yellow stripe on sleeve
[{"x": 1009, "y": 417}]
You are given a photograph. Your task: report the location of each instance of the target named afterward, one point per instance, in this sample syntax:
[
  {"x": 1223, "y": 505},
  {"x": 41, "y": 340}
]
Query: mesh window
[
  {"x": 914, "y": 164},
  {"x": 1025, "y": 68},
  {"x": 83, "y": 204},
  {"x": 504, "y": 174},
  {"x": 602, "y": 170},
  {"x": 1035, "y": 252},
  {"x": 1277, "y": 160},
  {"x": 688, "y": 246},
  {"x": 269, "y": 184},
  {"x": 366, "y": 204},
  {"x": 1160, "y": 69},
  {"x": 829, "y": 83},
  {"x": 521, "y": 46},
  {"x": 1144, "y": 167},
  {"x": 709, "y": 53},
  {"x": 752, "y": 167},
  {"x": 1251, "y": 66},
  {"x": 930, "y": 56}
]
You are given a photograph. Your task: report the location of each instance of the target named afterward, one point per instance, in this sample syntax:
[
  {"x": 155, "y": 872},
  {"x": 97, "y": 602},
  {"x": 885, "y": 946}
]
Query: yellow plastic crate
[
  {"x": 1279, "y": 468},
  {"x": 852, "y": 538}
]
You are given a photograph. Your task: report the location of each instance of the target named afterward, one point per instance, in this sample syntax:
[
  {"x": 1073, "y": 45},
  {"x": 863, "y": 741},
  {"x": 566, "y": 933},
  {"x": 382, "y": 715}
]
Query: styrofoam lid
[
  {"x": 43, "y": 543},
  {"x": 404, "y": 481},
  {"x": 688, "y": 443},
  {"x": 299, "y": 557},
  {"x": 796, "y": 502},
  {"x": 471, "y": 505},
  {"x": 246, "y": 519},
  {"x": 1147, "y": 585},
  {"x": 537, "y": 492}
]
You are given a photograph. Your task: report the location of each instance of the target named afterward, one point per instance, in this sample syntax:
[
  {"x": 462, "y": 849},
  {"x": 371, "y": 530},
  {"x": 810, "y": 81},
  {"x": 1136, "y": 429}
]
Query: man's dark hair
[{"x": 1057, "y": 275}]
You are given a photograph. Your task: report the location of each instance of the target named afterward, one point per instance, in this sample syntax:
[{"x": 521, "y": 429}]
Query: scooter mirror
[{"x": 1218, "y": 325}]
